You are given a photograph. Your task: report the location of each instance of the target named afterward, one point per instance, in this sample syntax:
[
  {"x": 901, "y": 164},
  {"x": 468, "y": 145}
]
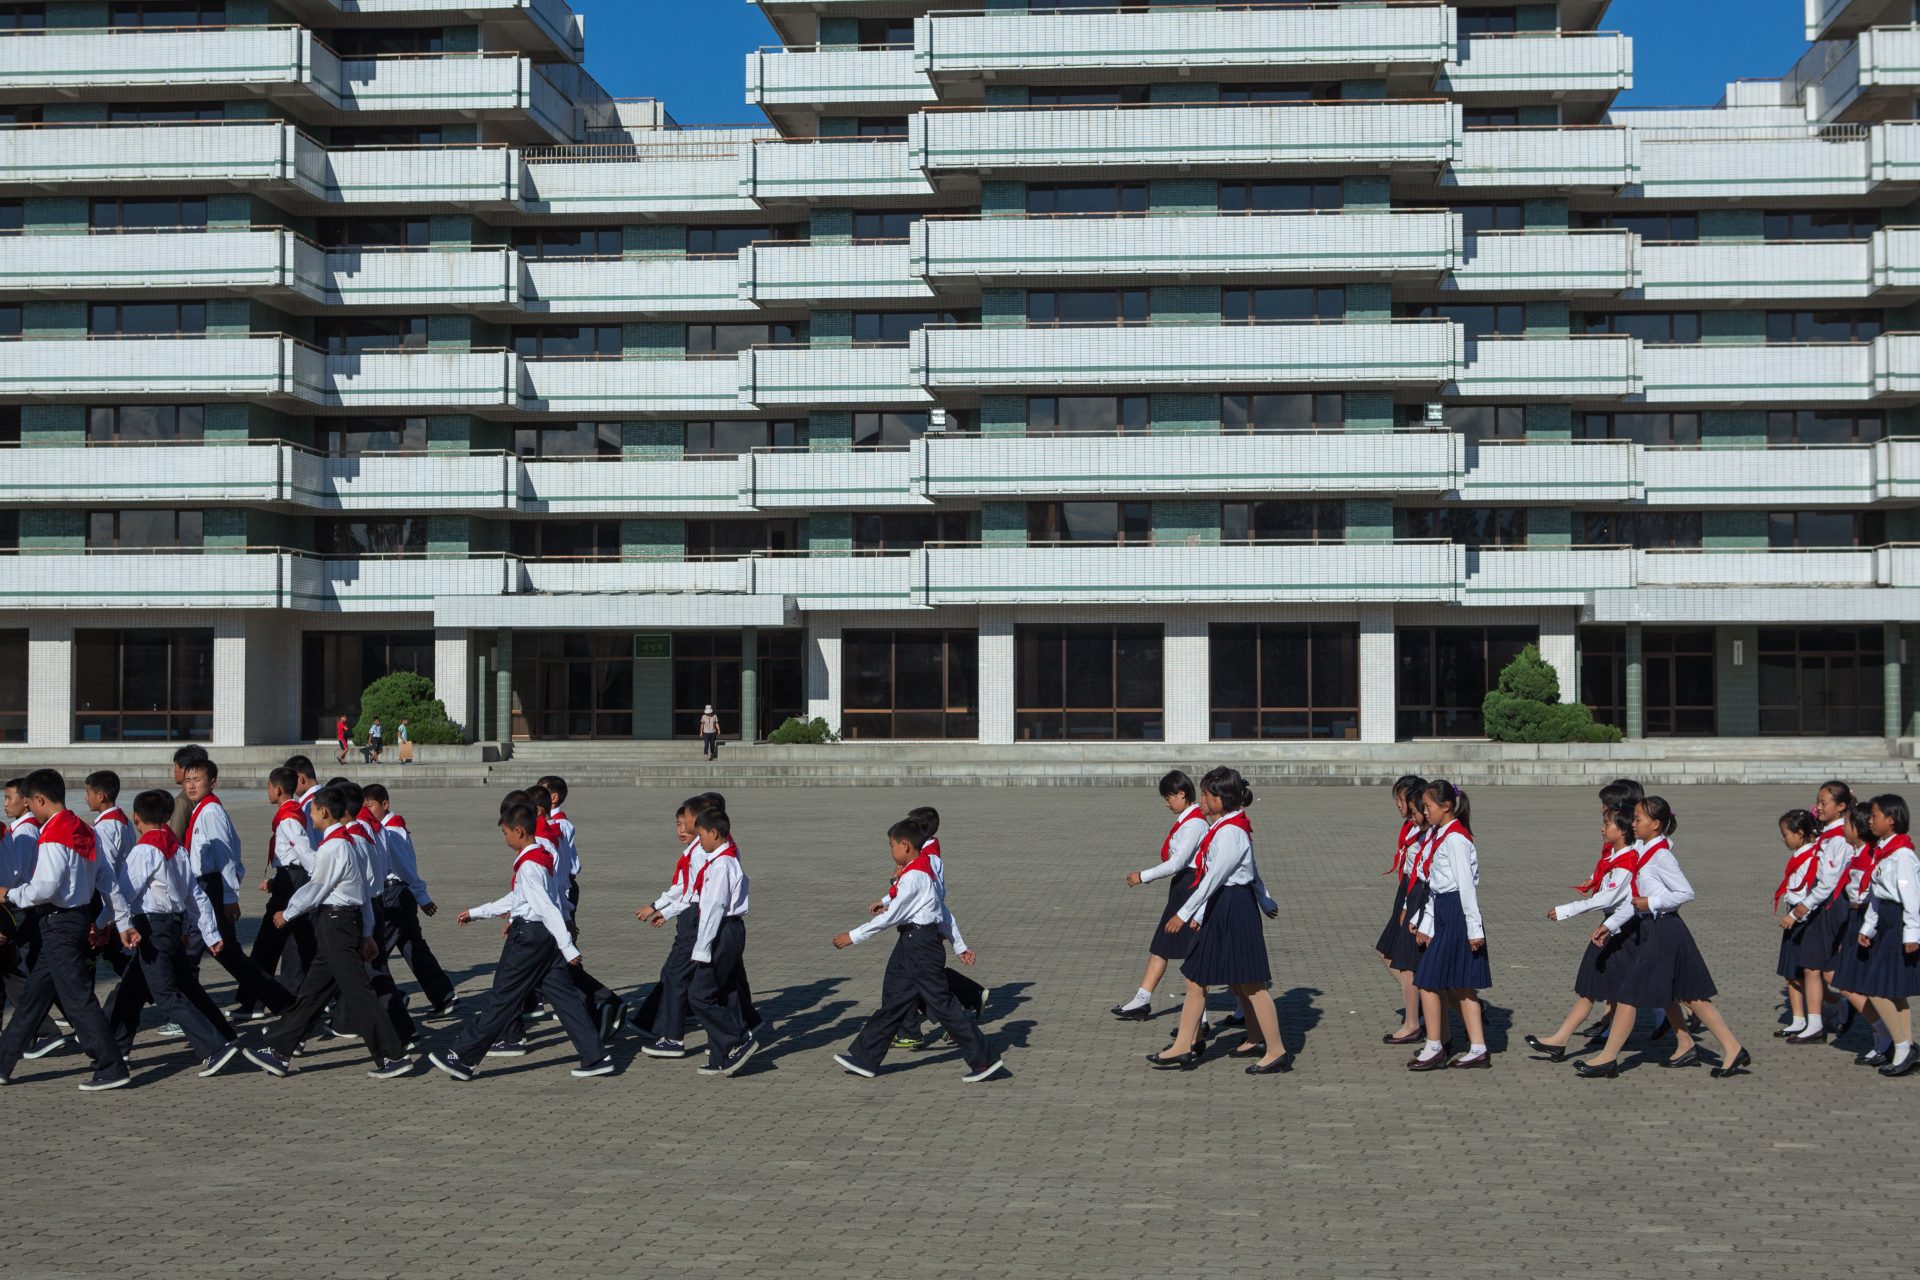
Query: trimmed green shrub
[
  {"x": 405, "y": 695},
  {"x": 805, "y": 733},
  {"x": 1526, "y": 707}
]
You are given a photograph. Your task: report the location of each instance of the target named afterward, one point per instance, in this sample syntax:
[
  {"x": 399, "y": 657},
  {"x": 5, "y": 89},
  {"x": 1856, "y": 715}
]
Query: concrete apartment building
[{"x": 1108, "y": 372}]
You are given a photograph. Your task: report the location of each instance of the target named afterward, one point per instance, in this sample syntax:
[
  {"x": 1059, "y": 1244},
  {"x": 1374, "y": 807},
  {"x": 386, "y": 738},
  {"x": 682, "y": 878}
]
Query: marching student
[
  {"x": 1455, "y": 968},
  {"x": 719, "y": 949},
  {"x": 336, "y": 897},
  {"x": 62, "y": 887},
  {"x": 403, "y": 898},
  {"x": 1887, "y": 971},
  {"x": 289, "y": 863},
  {"x": 971, "y": 995},
  {"x": 213, "y": 851},
  {"x": 1794, "y": 899},
  {"x": 1396, "y": 946},
  {"x": 1224, "y": 906},
  {"x": 371, "y": 857},
  {"x": 1181, "y": 798},
  {"x": 569, "y": 840},
  {"x": 1856, "y": 886},
  {"x": 1598, "y": 979},
  {"x": 113, "y": 835},
  {"x": 19, "y": 930},
  {"x": 1821, "y": 912},
  {"x": 602, "y": 999},
  {"x": 916, "y": 907},
  {"x": 538, "y": 950},
  {"x": 662, "y": 1016},
  {"x": 154, "y": 899}
]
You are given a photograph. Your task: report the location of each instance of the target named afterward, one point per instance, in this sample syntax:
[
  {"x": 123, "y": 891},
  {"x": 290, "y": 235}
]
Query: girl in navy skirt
[
  {"x": 1819, "y": 911},
  {"x": 1794, "y": 899},
  {"x": 1856, "y": 892},
  {"x": 1223, "y": 908},
  {"x": 1396, "y": 945},
  {"x": 1176, "y": 856},
  {"x": 1888, "y": 970},
  {"x": 1454, "y": 968},
  {"x": 1664, "y": 965},
  {"x": 1598, "y": 979}
]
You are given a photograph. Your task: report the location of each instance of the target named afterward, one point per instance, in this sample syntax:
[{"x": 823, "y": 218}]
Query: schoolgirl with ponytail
[
  {"x": 1454, "y": 969},
  {"x": 1396, "y": 946}
]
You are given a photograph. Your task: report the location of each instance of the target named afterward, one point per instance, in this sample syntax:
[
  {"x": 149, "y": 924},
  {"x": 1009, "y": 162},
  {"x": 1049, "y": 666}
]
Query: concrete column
[
  {"x": 453, "y": 676},
  {"x": 1892, "y": 676},
  {"x": 996, "y": 676},
  {"x": 1636, "y": 684},
  {"x": 270, "y": 703},
  {"x": 503, "y": 689},
  {"x": 49, "y": 684},
  {"x": 750, "y": 685},
  {"x": 1379, "y": 675},
  {"x": 1557, "y": 647},
  {"x": 482, "y": 674},
  {"x": 229, "y": 680},
  {"x": 1186, "y": 682},
  {"x": 823, "y": 670}
]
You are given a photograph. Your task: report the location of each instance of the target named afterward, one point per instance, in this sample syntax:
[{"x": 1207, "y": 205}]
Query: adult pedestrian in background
[
  {"x": 343, "y": 736},
  {"x": 710, "y": 733},
  {"x": 376, "y": 739},
  {"x": 404, "y": 740}
]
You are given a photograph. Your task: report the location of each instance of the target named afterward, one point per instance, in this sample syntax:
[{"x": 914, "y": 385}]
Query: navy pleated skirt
[
  {"x": 1229, "y": 949},
  {"x": 1174, "y": 946},
  {"x": 1849, "y": 961},
  {"x": 1385, "y": 945},
  {"x": 1825, "y": 929},
  {"x": 1664, "y": 965},
  {"x": 1886, "y": 970},
  {"x": 1405, "y": 953},
  {"x": 1789, "y": 965},
  {"x": 1604, "y": 968},
  {"x": 1449, "y": 963}
]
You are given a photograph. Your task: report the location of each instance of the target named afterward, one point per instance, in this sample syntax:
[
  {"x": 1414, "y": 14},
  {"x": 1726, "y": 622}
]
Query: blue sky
[{"x": 691, "y": 53}]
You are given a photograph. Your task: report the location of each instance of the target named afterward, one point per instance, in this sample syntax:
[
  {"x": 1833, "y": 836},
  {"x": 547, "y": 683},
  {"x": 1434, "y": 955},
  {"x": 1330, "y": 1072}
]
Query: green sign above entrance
[{"x": 653, "y": 646}]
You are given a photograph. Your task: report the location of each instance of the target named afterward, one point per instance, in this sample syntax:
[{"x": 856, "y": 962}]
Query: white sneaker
[
  {"x": 42, "y": 1048},
  {"x": 986, "y": 1073},
  {"x": 171, "y": 1031},
  {"x": 853, "y": 1068},
  {"x": 604, "y": 1067}
]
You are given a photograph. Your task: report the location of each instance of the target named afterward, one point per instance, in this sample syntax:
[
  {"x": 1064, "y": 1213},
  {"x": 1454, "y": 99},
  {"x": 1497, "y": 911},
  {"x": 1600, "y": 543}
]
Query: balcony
[
  {"x": 1180, "y": 465},
  {"x": 1758, "y": 568},
  {"x": 403, "y": 483},
  {"x": 1550, "y": 368},
  {"x": 828, "y": 378},
  {"x": 1544, "y": 575},
  {"x": 1895, "y": 147},
  {"x": 1367, "y": 135},
  {"x": 132, "y": 474},
  {"x": 1209, "y": 246},
  {"x": 1756, "y": 270},
  {"x": 432, "y": 279},
  {"x": 1584, "y": 65},
  {"x": 149, "y": 368},
  {"x": 830, "y": 168},
  {"x": 1838, "y": 19},
  {"x": 1760, "y": 375},
  {"x": 535, "y": 26},
  {"x": 881, "y": 81},
  {"x": 373, "y": 585},
  {"x": 1895, "y": 254},
  {"x": 1499, "y": 473},
  {"x": 633, "y": 486},
  {"x": 634, "y": 286},
  {"x": 244, "y": 153},
  {"x": 1598, "y": 263},
  {"x": 160, "y": 580},
  {"x": 776, "y": 274},
  {"x": 1365, "y": 40},
  {"x": 1848, "y": 475},
  {"x": 467, "y": 176},
  {"x": 502, "y": 88},
  {"x": 1897, "y": 465},
  {"x": 680, "y": 577},
  {"x": 1751, "y": 163},
  {"x": 445, "y": 381},
  {"x": 611, "y": 388},
  {"x": 662, "y": 180},
  {"x": 1597, "y": 158},
  {"x": 1896, "y": 364},
  {"x": 843, "y": 582},
  {"x": 96, "y": 60},
  {"x": 964, "y": 358},
  {"x": 781, "y": 480},
  {"x": 1275, "y": 573}
]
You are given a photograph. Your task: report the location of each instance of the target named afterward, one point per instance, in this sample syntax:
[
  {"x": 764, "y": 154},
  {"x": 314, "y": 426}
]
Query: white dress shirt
[
  {"x": 61, "y": 877},
  {"x": 917, "y": 898},
  {"x": 1897, "y": 878},
  {"x": 569, "y": 844},
  {"x": 1616, "y": 887},
  {"x": 532, "y": 898},
  {"x": 214, "y": 846},
  {"x": 293, "y": 843},
  {"x": 148, "y": 882},
  {"x": 1229, "y": 863},
  {"x": 22, "y": 850},
  {"x": 314, "y": 834},
  {"x": 1822, "y": 877},
  {"x": 679, "y": 892},
  {"x": 1455, "y": 869},
  {"x": 1662, "y": 884},
  {"x": 1188, "y": 829},
  {"x": 723, "y": 893},
  {"x": 112, "y": 837},
  {"x": 403, "y": 864},
  {"x": 337, "y": 881}
]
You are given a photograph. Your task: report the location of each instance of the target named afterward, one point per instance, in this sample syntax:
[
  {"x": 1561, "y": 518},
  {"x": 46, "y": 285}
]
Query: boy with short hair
[
  {"x": 289, "y": 859},
  {"x": 190, "y": 754},
  {"x": 371, "y": 857},
  {"x": 719, "y": 949},
  {"x": 403, "y": 897},
  {"x": 213, "y": 849}
]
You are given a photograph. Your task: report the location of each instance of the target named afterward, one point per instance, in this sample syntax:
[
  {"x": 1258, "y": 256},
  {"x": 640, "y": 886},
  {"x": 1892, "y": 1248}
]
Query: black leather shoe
[
  {"x": 1738, "y": 1067},
  {"x": 1871, "y": 1058},
  {"x": 1446, "y": 1051},
  {"x": 1416, "y": 1036},
  {"x": 1809, "y": 1037},
  {"x": 1185, "y": 1062},
  {"x": 1248, "y": 1049},
  {"x": 1471, "y": 1062},
  {"x": 1904, "y": 1068},
  {"x": 1690, "y": 1058},
  {"x": 1587, "y": 1071},
  {"x": 1782, "y": 1033},
  {"x": 1280, "y": 1066},
  {"x": 1596, "y": 1029},
  {"x": 1551, "y": 1052},
  {"x": 1125, "y": 1014}
]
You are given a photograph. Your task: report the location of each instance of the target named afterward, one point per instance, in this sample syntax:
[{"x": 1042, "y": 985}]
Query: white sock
[
  {"x": 1432, "y": 1049},
  {"x": 1902, "y": 1051},
  {"x": 1882, "y": 1038},
  {"x": 1814, "y": 1024},
  {"x": 1139, "y": 1000},
  {"x": 1476, "y": 1050},
  {"x": 1798, "y": 1025},
  {"x": 1143, "y": 995}
]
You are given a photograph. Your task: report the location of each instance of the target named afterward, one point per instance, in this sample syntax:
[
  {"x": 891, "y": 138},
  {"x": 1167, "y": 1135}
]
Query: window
[
  {"x": 888, "y": 430},
  {"x": 336, "y": 666},
  {"x": 569, "y": 242},
  {"x": 1445, "y": 672},
  {"x": 885, "y": 226},
  {"x": 383, "y": 233},
  {"x": 910, "y": 684},
  {"x": 1490, "y": 117},
  {"x": 1656, "y": 228},
  {"x": 731, "y": 339},
  {"x": 568, "y": 342},
  {"x": 1678, "y": 679},
  {"x": 706, "y": 670},
  {"x": 1275, "y": 195},
  {"x": 1309, "y": 91},
  {"x": 10, "y": 320},
  {"x": 893, "y": 328},
  {"x": 13, "y": 663},
  {"x": 1104, "y": 523},
  {"x": 1824, "y": 426},
  {"x": 1829, "y": 529},
  {"x": 566, "y": 539},
  {"x": 353, "y": 437},
  {"x": 165, "y": 112},
  {"x": 167, "y": 13},
  {"x": 1284, "y": 521},
  {"x": 20, "y": 113},
  {"x": 1048, "y": 199},
  {"x": 1496, "y": 215},
  {"x": 1503, "y": 21},
  {"x": 1321, "y": 411},
  {"x": 1095, "y": 415},
  {"x": 732, "y": 539},
  {"x": 878, "y": 532},
  {"x": 575, "y": 684},
  {"x": 1087, "y": 306},
  {"x": 1487, "y": 421},
  {"x": 1275, "y": 306},
  {"x": 727, "y": 242},
  {"x": 1082, "y": 95},
  {"x": 142, "y": 529},
  {"x": 573, "y": 440},
  {"x": 352, "y": 539},
  {"x": 1666, "y": 328},
  {"x": 1478, "y": 320},
  {"x": 1642, "y": 530},
  {"x": 153, "y": 686},
  {"x": 167, "y": 212},
  {"x": 1464, "y": 526},
  {"x": 145, "y": 319},
  {"x": 880, "y": 127},
  {"x": 10, "y": 426},
  {"x": 375, "y": 41},
  {"x": 146, "y": 423},
  {"x": 13, "y": 217},
  {"x": 9, "y": 530},
  {"x": 1274, "y": 680},
  {"x": 1822, "y": 681},
  {"x": 888, "y": 33},
  {"x": 356, "y": 335},
  {"x": 1098, "y": 683},
  {"x": 23, "y": 17},
  {"x": 1652, "y": 429},
  {"x": 348, "y": 137},
  {"x": 1826, "y": 224},
  {"x": 1824, "y": 326},
  {"x": 729, "y": 438}
]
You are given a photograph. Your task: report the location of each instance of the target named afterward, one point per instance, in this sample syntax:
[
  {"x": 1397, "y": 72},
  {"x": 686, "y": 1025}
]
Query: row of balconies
[
  {"x": 545, "y": 27},
  {"x": 959, "y": 362},
  {"x": 1838, "y": 19},
  {"x": 476, "y": 591},
  {"x": 944, "y": 467},
  {"x": 1866, "y": 78},
  {"x": 699, "y": 173},
  {"x": 962, "y": 253}
]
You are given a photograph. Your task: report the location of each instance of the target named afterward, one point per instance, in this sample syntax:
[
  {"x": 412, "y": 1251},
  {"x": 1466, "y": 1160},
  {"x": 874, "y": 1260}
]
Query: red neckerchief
[
  {"x": 683, "y": 868},
  {"x": 194, "y": 817},
  {"x": 1190, "y": 814},
  {"x": 394, "y": 820},
  {"x": 533, "y": 853},
  {"x": 727, "y": 850},
  {"x": 1407, "y": 838},
  {"x": 1425, "y": 870},
  {"x": 112, "y": 814},
  {"x": 66, "y": 828},
  {"x": 923, "y": 863},
  {"x": 1893, "y": 845},
  {"x": 1795, "y": 865},
  {"x": 1609, "y": 857},
  {"x": 162, "y": 838},
  {"x": 1640, "y": 863},
  {"x": 1236, "y": 819}
]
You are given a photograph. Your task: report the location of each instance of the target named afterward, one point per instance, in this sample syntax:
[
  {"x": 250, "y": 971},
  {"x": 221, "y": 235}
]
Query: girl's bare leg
[
  {"x": 1718, "y": 1028},
  {"x": 1623, "y": 1016},
  {"x": 1410, "y": 1000},
  {"x": 1575, "y": 1016},
  {"x": 1190, "y": 1012},
  {"x": 1258, "y": 1002}
]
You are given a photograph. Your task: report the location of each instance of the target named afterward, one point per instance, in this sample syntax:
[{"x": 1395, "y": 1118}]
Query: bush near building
[
  {"x": 1526, "y": 706},
  {"x": 804, "y": 733},
  {"x": 406, "y": 695}
]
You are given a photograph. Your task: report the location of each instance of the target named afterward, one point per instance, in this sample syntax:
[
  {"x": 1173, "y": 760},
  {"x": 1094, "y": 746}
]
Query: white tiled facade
[{"x": 1048, "y": 370}]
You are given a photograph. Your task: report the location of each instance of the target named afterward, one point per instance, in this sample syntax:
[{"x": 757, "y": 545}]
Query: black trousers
[
  {"x": 961, "y": 988},
  {"x": 663, "y": 1014},
  {"x": 60, "y": 970},
  {"x": 399, "y": 921},
  {"x": 708, "y": 991},
  {"x": 253, "y": 987},
  {"x": 162, "y": 977},
  {"x": 530, "y": 964},
  {"x": 710, "y": 744},
  {"x": 384, "y": 986},
  {"x": 337, "y": 970},
  {"x": 17, "y": 955},
  {"x": 270, "y": 945},
  {"x": 916, "y": 973}
]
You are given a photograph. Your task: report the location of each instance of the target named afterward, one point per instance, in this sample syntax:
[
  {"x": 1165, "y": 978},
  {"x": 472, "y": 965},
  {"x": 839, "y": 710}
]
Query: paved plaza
[{"x": 1083, "y": 1162}]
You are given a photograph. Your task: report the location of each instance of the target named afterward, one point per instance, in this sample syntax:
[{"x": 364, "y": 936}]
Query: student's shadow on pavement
[{"x": 1298, "y": 1014}]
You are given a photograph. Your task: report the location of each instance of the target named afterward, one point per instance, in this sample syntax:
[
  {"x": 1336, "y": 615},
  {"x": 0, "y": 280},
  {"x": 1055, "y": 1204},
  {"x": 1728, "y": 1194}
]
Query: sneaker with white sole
[
  {"x": 217, "y": 1063},
  {"x": 41, "y": 1048},
  {"x": 391, "y": 1068},
  {"x": 604, "y": 1067},
  {"x": 268, "y": 1061},
  {"x": 985, "y": 994},
  {"x": 985, "y": 1073},
  {"x": 741, "y": 1052},
  {"x": 107, "y": 1078},
  {"x": 853, "y": 1068},
  {"x": 508, "y": 1049},
  {"x": 446, "y": 1010},
  {"x": 665, "y": 1048},
  {"x": 171, "y": 1031},
  {"x": 450, "y": 1063}
]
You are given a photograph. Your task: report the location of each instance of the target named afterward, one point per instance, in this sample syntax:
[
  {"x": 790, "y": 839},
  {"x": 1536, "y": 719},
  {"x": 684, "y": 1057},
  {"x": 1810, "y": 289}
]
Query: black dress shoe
[
  {"x": 1185, "y": 1062},
  {"x": 1416, "y": 1036},
  {"x": 1552, "y": 1052},
  {"x": 1596, "y": 1029},
  {"x": 1690, "y": 1058},
  {"x": 1125, "y": 1014},
  {"x": 1809, "y": 1037},
  {"x": 1446, "y": 1051},
  {"x": 1904, "y": 1067},
  {"x": 1248, "y": 1049},
  {"x": 1738, "y": 1067},
  {"x": 1587, "y": 1071},
  {"x": 1871, "y": 1058},
  {"x": 1782, "y": 1033},
  {"x": 1438, "y": 1062},
  {"x": 1279, "y": 1066},
  {"x": 1471, "y": 1062}
]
